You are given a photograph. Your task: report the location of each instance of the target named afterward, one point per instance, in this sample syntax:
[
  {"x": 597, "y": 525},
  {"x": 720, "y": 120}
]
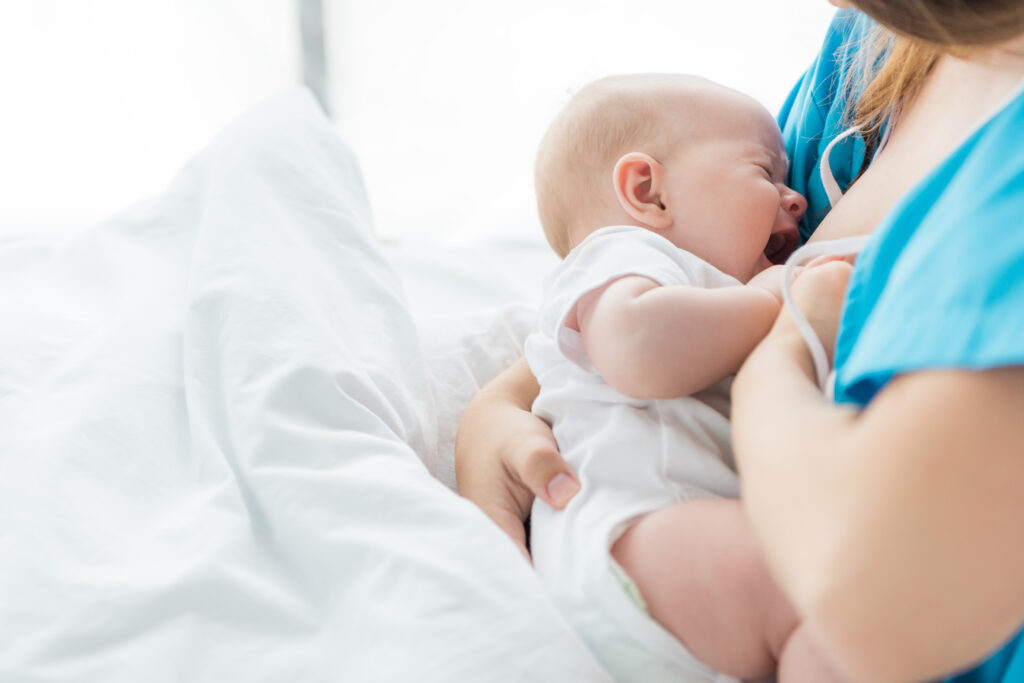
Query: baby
[{"x": 666, "y": 197}]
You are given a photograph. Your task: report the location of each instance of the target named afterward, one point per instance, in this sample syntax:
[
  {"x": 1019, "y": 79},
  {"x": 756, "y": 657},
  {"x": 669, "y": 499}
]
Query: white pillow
[{"x": 210, "y": 406}]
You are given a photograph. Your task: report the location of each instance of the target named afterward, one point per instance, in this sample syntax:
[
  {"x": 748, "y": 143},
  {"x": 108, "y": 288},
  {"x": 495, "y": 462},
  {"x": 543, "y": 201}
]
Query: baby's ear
[{"x": 638, "y": 179}]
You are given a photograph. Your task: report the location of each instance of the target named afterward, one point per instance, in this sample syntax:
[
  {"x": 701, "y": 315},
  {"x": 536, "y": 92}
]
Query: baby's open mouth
[{"x": 781, "y": 244}]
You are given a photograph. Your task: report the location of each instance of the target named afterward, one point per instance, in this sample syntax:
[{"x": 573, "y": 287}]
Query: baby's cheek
[{"x": 762, "y": 207}]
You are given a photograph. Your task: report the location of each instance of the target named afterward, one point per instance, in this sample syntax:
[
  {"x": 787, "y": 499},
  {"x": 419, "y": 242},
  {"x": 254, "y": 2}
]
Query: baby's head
[{"x": 694, "y": 161}]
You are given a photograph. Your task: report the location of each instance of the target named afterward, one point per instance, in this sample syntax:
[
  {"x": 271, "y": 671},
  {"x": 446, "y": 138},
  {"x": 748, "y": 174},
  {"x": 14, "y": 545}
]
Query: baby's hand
[{"x": 770, "y": 280}]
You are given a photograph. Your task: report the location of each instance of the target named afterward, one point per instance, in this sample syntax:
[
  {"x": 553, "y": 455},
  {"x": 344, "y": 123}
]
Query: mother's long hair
[{"x": 911, "y": 36}]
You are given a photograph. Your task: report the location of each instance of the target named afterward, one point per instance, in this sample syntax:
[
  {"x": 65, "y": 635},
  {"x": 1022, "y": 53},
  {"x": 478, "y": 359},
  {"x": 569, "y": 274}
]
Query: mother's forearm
[
  {"x": 788, "y": 440},
  {"x": 793, "y": 449},
  {"x": 803, "y": 482},
  {"x": 866, "y": 516}
]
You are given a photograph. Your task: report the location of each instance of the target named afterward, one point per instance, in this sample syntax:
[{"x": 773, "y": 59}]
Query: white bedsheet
[
  {"x": 474, "y": 305},
  {"x": 210, "y": 412}
]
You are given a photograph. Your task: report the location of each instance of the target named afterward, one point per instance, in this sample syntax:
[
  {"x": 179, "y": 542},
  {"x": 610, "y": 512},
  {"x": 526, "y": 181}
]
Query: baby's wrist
[{"x": 767, "y": 294}]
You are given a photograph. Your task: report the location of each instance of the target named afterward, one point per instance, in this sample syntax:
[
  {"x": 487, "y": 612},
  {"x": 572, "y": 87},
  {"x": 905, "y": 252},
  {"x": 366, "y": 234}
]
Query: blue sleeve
[
  {"x": 1005, "y": 666},
  {"x": 816, "y": 111},
  {"x": 941, "y": 283}
]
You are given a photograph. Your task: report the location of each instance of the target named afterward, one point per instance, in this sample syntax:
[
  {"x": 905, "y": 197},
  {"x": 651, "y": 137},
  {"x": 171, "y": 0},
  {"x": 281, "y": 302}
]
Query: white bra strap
[
  {"x": 847, "y": 245},
  {"x": 828, "y": 180}
]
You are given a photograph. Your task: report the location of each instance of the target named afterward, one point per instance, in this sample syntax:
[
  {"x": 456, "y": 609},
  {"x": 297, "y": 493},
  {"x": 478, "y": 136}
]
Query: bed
[{"x": 226, "y": 426}]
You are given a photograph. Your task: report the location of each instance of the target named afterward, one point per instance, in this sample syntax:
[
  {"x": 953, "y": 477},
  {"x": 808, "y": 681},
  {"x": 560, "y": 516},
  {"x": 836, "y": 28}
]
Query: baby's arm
[{"x": 652, "y": 341}]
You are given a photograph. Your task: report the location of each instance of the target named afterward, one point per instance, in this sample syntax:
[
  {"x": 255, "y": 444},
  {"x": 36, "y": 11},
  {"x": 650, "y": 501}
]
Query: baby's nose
[{"x": 794, "y": 203}]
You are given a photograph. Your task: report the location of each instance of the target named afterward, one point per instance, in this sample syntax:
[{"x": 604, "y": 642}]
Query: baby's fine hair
[{"x": 603, "y": 121}]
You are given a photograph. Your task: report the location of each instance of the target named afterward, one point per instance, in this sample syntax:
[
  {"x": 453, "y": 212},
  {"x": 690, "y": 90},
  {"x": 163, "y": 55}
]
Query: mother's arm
[
  {"x": 505, "y": 455},
  {"x": 895, "y": 530}
]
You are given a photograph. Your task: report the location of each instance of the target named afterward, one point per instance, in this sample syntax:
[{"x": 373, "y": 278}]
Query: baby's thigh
[{"x": 702, "y": 576}]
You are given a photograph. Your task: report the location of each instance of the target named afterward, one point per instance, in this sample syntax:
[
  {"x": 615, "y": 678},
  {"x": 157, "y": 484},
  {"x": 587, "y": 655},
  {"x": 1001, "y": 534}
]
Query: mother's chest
[{"x": 869, "y": 200}]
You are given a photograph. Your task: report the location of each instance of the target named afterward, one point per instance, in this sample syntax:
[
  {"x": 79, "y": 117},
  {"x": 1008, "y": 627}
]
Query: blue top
[
  {"x": 940, "y": 283},
  {"x": 815, "y": 113}
]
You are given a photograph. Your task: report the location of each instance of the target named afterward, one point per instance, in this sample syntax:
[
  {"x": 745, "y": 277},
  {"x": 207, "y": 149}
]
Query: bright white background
[{"x": 444, "y": 101}]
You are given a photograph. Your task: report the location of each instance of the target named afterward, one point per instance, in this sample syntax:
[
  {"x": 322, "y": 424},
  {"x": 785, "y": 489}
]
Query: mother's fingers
[
  {"x": 825, "y": 280},
  {"x": 485, "y": 481},
  {"x": 829, "y": 258},
  {"x": 540, "y": 466},
  {"x": 501, "y": 468},
  {"x": 509, "y": 522},
  {"x": 819, "y": 293}
]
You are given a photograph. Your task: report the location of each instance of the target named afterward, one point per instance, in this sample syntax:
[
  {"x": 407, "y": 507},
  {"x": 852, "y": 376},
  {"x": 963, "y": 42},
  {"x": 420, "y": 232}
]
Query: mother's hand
[
  {"x": 819, "y": 291},
  {"x": 505, "y": 455}
]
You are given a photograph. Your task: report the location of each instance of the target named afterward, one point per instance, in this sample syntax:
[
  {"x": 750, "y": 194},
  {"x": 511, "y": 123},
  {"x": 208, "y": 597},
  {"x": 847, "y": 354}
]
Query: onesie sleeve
[
  {"x": 609, "y": 254},
  {"x": 941, "y": 284}
]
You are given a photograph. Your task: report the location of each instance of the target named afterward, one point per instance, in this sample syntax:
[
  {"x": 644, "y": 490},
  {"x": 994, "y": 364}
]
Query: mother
[{"x": 893, "y": 517}]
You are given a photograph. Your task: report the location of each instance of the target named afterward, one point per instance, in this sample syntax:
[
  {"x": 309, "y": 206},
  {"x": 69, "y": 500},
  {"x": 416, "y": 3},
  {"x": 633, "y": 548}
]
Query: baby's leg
[{"x": 701, "y": 573}]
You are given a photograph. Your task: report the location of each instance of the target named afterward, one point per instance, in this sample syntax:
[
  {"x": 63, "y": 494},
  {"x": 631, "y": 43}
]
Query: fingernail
[{"x": 561, "y": 488}]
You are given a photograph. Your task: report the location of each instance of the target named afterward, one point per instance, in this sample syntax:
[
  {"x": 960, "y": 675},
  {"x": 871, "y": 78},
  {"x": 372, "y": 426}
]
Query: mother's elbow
[
  {"x": 851, "y": 651},
  {"x": 867, "y": 637}
]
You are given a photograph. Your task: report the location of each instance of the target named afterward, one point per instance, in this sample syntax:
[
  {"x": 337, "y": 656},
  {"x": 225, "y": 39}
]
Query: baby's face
[{"x": 727, "y": 193}]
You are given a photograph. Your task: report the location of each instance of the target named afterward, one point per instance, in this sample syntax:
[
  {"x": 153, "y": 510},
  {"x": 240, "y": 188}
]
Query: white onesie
[{"x": 631, "y": 456}]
